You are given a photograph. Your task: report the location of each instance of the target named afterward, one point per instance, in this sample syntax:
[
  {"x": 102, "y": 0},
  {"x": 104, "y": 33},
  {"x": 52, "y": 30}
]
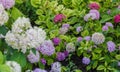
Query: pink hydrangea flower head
[
  {"x": 47, "y": 48},
  {"x": 59, "y": 18},
  {"x": 96, "y": 12},
  {"x": 94, "y": 5},
  {"x": 117, "y": 18},
  {"x": 7, "y": 3}
]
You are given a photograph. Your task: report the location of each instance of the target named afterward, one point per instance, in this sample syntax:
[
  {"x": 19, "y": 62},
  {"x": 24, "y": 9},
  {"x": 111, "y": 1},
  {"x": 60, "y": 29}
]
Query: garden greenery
[{"x": 59, "y": 36}]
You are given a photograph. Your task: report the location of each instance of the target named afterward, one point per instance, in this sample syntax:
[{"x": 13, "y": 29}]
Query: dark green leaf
[{"x": 20, "y": 58}]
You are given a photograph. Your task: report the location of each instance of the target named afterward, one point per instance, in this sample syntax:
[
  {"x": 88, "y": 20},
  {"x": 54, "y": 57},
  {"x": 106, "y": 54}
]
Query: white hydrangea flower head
[
  {"x": 63, "y": 30},
  {"x": 21, "y": 25},
  {"x": 23, "y": 36},
  {"x": 3, "y": 15},
  {"x": 98, "y": 38},
  {"x": 56, "y": 67},
  {"x": 1, "y": 36},
  {"x": 14, "y": 66},
  {"x": 36, "y": 36},
  {"x": 11, "y": 40},
  {"x": 70, "y": 47}
]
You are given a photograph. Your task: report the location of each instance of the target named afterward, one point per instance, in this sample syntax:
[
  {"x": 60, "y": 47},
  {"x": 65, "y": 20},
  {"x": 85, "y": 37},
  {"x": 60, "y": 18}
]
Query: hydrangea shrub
[{"x": 59, "y": 35}]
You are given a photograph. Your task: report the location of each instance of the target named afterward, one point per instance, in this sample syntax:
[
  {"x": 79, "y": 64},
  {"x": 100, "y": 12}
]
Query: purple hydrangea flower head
[
  {"x": 63, "y": 30},
  {"x": 56, "y": 41},
  {"x": 87, "y": 38},
  {"x": 66, "y": 53},
  {"x": 119, "y": 7},
  {"x": 105, "y": 28},
  {"x": 111, "y": 46},
  {"x": 39, "y": 70},
  {"x": 96, "y": 12},
  {"x": 109, "y": 11},
  {"x": 43, "y": 61},
  {"x": 47, "y": 48},
  {"x": 90, "y": 15},
  {"x": 66, "y": 25},
  {"x": 109, "y": 24},
  {"x": 85, "y": 60},
  {"x": 59, "y": 18},
  {"x": 60, "y": 56},
  {"x": 56, "y": 67},
  {"x": 33, "y": 58},
  {"x": 79, "y": 39},
  {"x": 7, "y": 3},
  {"x": 78, "y": 29},
  {"x": 118, "y": 63}
]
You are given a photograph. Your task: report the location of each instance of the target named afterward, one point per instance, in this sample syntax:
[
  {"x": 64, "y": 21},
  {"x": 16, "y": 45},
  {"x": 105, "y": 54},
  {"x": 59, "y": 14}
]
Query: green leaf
[
  {"x": 64, "y": 37},
  {"x": 76, "y": 3},
  {"x": 1, "y": 58},
  {"x": 66, "y": 2},
  {"x": 78, "y": 70},
  {"x": 85, "y": 33},
  {"x": 20, "y": 58},
  {"x": 58, "y": 48},
  {"x": 3, "y": 30},
  {"x": 73, "y": 20},
  {"x": 79, "y": 52},
  {"x": 115, "y": 11},
  {"x": 95, "y": 56},
  {"x": 35, "y": 3},
  {"x": 105, "y": 18},
  {"x": 34, "y": 50},
  {"x": 95, "y": 64},
  {"x": 41, "y": 65},
  {"x": 100, "y": 67},
  {"x": 101, "y": 58},
  {"x": 19, "y": 1},
  {"x": 39, "y": 12},
  {"x": 4, "y": 68},
  {"x": 117, "y": 57},
  {"x": 16, "y": 13},
  {"x": 49, "y": 61},
  {"x": 63, "y": 69},
  {"x": 97, "y": 50},
  {"x": 88, "y": 68}
]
